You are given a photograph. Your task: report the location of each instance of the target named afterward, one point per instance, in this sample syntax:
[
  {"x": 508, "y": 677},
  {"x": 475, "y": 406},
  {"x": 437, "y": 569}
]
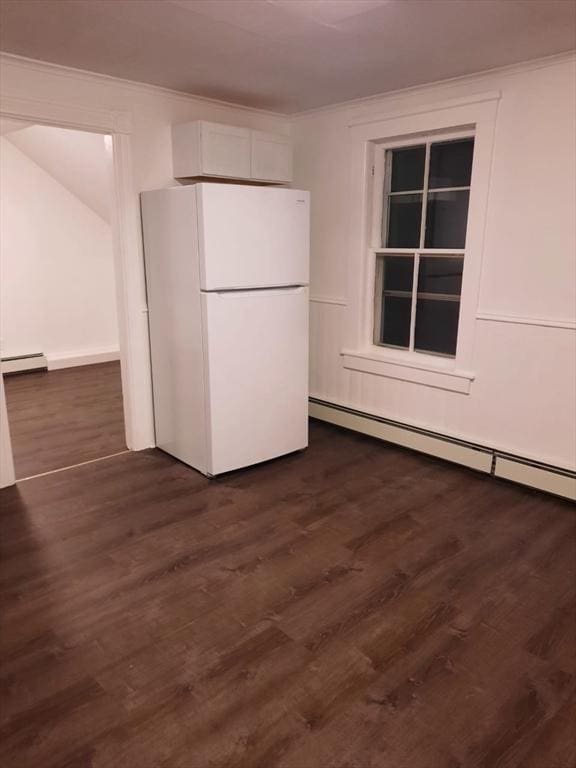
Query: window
[
  {"x": 421, "y": 332},
  {"x": 422, "y": 241}
]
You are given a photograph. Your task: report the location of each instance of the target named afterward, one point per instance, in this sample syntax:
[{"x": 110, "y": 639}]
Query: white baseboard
[
  {"x": 22, "y": 363},
  {"x": 417, "y": 440},
  {"x": 82, "y": 357},
  {"x": 544, "y": 477},
  {"x": 560, "y": 484}
]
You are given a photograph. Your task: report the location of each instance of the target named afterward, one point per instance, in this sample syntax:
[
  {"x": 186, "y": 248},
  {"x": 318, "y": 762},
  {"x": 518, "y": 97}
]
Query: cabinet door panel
[
  {"x": 225, "y": 150},
  {"x": 271, "y": 157}
]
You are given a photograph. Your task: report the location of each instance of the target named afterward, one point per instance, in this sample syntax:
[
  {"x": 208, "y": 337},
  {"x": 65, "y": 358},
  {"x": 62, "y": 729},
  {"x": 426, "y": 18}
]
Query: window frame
[
  {"x": 381, "y": 178},
  {"x": 408, "y": 122}
]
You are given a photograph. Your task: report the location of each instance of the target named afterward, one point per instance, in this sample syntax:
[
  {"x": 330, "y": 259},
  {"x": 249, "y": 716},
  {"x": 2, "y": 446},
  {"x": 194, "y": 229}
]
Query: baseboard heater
[
  {"x": 544, "y": 477},
  {"x": 24, "y": 363}
]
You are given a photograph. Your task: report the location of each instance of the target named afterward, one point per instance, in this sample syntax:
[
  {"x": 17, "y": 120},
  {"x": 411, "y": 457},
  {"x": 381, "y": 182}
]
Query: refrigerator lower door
[{"x": 256, "y": 349}]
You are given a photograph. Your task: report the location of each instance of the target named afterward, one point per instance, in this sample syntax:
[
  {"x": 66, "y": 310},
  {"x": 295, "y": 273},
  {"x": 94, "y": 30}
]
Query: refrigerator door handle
[{"x": 285, "y": 291}]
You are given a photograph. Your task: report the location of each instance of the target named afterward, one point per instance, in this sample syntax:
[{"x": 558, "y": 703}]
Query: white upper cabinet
[
  {"x": 201, "y": 148},
  {"x": 211, "y": 149}
]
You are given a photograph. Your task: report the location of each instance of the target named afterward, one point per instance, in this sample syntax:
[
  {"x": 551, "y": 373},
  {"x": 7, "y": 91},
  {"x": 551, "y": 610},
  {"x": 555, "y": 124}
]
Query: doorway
[
  {"x": 129, "y": 267},
  {"x": 58, "y": 311}
]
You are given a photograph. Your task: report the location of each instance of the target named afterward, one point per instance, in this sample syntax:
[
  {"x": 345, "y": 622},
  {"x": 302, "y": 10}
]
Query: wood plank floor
[
  {"x": 352, "y": 606},
  {"x": 60, "y": 418}
]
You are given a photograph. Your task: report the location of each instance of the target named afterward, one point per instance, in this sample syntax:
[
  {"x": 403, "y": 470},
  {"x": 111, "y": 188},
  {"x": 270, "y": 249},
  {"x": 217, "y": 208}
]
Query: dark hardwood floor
[
  {"x": 352, "y": 606},
  {"x": 60, "y": 418}
]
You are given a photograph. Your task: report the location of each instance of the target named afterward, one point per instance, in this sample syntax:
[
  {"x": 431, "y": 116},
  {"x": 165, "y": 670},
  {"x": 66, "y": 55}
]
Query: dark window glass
[
  {"x": 396, "y": 320},
  {"x": 436, "y": 326},
  {"x": 404, "y": 215},
  {"x": 438, "y": 274},
  {"x": 398, "y": 273},
  {"x": 451, "y": 164},
  {"x": 446, "y": 216},
  {"x": 408, "y": 169}
]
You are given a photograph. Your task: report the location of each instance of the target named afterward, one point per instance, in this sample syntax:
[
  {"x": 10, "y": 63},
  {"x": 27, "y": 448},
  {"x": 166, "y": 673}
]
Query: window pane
[
  {"x": 439, "y": 274},
  {"x": 446, "y": 218},
  {"x": 396, "y": 321},
  {"x": 398, "y": 273},
  {"x": 436, "y": 326},
  {"x": 404, "y": 214},
  {"x": 407, "y": 169},
  {"x": 451, "y": 163}
]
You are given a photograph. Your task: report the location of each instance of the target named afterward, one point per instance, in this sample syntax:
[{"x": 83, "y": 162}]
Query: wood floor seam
[{"x": 73, "y": 466}]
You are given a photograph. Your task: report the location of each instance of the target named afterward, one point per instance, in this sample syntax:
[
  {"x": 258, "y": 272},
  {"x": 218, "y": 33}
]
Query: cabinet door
[
  {"x": 225, "y": 150},
  {"x": 271, "y": 157}
]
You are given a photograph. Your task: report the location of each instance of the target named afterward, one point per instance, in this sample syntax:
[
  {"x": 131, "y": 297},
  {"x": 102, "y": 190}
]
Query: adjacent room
[
  {"x": 288, "y": 386},
  {"x": 59, "y": 325}
]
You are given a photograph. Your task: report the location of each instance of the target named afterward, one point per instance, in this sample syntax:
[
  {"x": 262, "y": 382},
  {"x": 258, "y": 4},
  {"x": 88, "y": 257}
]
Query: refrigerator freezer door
[
  {"x": 252, "y": 237},
  {"x": 257, "y": 375}
]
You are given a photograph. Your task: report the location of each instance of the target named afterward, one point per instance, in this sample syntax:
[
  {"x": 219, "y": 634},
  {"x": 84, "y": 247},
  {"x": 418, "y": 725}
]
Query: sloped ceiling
[
  {"x": 286, "y": 55},
  {"x": 7, "y": 125},
  {"x": 79, "y": 161}
]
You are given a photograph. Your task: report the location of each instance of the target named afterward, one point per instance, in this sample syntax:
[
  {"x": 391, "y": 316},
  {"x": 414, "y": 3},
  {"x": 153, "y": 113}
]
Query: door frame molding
[{"x": 128, "y": 259}]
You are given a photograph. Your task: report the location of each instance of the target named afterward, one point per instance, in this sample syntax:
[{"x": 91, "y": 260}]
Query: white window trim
[
  {"x": 378, "y": 220},
  {"x": 477, "y": 116}
]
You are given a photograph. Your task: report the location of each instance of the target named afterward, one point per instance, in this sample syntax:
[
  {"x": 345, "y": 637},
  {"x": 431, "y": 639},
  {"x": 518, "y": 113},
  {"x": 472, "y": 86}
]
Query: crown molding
[
  {"x": 46, "y": 67},
  {"x": 64, "y": 115},
  {"x": 415, "y": 90},
  {"x": 426, "y": 108},
  {"x": 96, "y": 77}
]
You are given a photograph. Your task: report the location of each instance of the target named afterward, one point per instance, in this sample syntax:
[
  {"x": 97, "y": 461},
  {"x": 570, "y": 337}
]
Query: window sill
[{"x": 439, "y": 373}]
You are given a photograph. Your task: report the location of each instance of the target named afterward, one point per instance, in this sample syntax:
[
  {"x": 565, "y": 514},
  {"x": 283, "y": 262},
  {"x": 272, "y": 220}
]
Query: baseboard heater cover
[
  {"x": 24, "y": 363},
  {"x": 544, "y": 477}
]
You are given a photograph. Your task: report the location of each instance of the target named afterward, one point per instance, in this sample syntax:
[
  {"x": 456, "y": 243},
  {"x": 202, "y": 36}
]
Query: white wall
[
  {"x": 523, "y": 397},
  {"x": 56, "y": 266}
]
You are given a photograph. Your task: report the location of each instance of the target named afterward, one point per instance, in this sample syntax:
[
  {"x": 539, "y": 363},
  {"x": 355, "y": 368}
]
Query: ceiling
[{"x": 286, "y": 55}]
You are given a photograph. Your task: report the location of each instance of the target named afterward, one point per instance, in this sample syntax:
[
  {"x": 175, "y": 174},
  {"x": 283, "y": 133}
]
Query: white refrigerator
[{"x": 227, "y": 270}]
